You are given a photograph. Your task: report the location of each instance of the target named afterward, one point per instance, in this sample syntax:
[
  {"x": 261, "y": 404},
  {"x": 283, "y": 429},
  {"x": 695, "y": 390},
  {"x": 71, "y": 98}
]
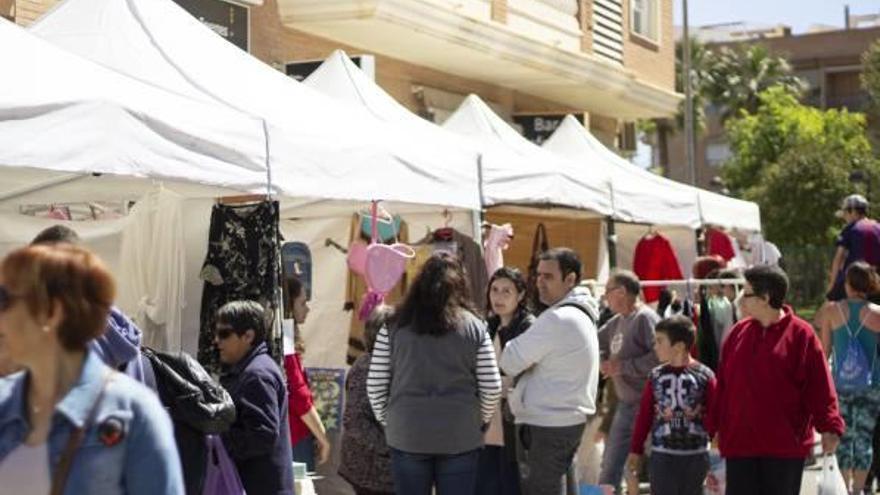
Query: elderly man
[{"x": 627, "y": 346}]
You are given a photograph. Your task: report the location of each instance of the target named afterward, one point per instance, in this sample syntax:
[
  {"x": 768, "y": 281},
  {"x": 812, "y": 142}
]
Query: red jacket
[
  {"x": 774, "y": 388},
  {"x": 299, "y": 397},
  {"x": 655, "y": 259}
]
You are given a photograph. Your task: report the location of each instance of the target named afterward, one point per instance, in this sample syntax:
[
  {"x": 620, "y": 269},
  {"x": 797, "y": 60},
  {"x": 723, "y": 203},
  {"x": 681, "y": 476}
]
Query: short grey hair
[{"x": 628, "y": 280}]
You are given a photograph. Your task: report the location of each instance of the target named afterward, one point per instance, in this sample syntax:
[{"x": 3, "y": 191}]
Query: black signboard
[
  {"x": 229, "y": 20},
  {"x": 537, "y": 128}
]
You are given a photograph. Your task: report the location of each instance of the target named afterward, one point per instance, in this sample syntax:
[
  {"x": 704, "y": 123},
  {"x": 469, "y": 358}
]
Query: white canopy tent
[
  {"x": 318, "y": 149},
  {"x": 516, "y": 171},
  {"x": 638, "y": 195},
  {"x": 71, "y": 128},
  {"x": 643, "y": 197}
]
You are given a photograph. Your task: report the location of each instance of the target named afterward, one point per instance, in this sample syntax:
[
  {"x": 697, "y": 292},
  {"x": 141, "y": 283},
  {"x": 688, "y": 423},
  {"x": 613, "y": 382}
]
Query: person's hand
[
  {"x": 830, "y": 441},
  {"x": 610, "y": 367},
  {"x": 712, "y": 483},
  {"x": 323, "y": 447},
  {"x": 633, "y": 464}
]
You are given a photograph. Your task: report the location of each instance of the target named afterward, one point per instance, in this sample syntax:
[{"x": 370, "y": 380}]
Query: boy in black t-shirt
[{"x": 674, "y": 410}]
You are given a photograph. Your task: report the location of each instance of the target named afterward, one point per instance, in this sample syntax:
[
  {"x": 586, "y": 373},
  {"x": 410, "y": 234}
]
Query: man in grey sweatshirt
[
  {"x": 627, "y": 347},
  {"x": 556, "y": 365}
]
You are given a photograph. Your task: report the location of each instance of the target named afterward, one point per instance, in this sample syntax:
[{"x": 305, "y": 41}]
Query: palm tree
[{"x": 734, "y": 77}]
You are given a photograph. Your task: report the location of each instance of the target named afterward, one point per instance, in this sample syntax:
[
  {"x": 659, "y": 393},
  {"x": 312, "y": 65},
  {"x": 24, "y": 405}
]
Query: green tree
[
  {"x": 871, "y": 72},
  {"x": 735, "y": 77},
  {"x": 795, "y": 161}
]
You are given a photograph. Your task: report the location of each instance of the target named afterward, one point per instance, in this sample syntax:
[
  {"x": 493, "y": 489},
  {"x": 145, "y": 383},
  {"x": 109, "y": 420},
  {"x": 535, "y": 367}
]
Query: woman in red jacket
[
  {"x": 774, "y": 389},
  {"x": 306, "y": 430}
]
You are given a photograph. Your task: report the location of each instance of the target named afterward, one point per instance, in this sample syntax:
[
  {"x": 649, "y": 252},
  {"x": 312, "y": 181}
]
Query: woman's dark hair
[
  {"x": 56, "y": 234},
  {"x": 243, "y": 316},
  {"x": 768, "y": 281},
  {"x": 678, "y": 328},
  {"x": 437, "y": 297},
  {"x": 862, "y": 278},
  {"x": 381, "y": 316},
  {"x": 514, "y": 275},
  {"x": 293, "y": 288}
]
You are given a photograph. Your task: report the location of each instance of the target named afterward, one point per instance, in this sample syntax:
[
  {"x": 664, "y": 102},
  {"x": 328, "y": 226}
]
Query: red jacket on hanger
[
  {"x": 719, "y": 243},
  {"x": 655, "y": 260}
]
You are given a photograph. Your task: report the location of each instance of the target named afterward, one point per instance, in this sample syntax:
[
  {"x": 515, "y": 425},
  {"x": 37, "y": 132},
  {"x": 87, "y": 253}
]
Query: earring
[{"x": 45, "y": 328}]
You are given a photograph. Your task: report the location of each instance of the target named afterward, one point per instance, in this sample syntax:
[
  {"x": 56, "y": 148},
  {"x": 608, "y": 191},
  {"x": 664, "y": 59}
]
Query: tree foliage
[
  {"x": 871, "y": 72},
  {"x": 795, "y": 162},
  {"x": 735, "y": 77}
]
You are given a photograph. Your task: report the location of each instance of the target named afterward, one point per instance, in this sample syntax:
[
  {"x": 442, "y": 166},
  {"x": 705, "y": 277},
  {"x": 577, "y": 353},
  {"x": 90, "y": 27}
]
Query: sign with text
[
  {"x": 229, "y": 20},
  {"x": 537, "y": 128}
]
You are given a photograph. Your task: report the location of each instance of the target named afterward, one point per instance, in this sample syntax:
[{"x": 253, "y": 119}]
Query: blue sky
[{"x": 799, "y": 14}]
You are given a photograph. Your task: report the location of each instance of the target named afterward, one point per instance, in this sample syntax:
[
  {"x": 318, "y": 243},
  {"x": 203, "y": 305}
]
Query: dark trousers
[
  {"x": 545, "y": 457},
  {"x": 416, "y": 474},
  {"x": 764, "y": 476},
  {"x": 497, "y": 473},
  {"x": 678, "y": 474}
]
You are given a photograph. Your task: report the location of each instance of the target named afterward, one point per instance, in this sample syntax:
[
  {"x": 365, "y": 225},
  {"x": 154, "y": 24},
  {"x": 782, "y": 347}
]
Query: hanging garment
[
  {"x": 496, "y": 242},
  {"x": 719, "y": 243},
  {"x": 152, "y": 272},
  {"x": 243, "y": 263},
  {"x": 655, "y": 260},
  {"x": 707, "y": 345}
]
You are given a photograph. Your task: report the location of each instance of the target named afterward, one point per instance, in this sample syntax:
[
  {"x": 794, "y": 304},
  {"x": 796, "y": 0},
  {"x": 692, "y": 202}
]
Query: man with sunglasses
[
  {"x": 626, "y": 344},
  {"x": 259, "y": 440},
  {"x": 774, "y": 389}
]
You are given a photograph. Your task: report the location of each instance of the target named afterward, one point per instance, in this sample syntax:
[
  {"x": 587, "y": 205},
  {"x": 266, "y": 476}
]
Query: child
[{"x": 674, "y": 405}]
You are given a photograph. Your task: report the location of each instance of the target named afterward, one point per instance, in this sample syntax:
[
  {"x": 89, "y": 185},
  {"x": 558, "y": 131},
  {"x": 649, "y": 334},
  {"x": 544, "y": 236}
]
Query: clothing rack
[{"x": 693, "y": 282}]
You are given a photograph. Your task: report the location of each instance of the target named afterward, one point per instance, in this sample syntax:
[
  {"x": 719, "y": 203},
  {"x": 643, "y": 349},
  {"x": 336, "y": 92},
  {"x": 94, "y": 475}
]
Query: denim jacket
[{"x": 143, "y": 461}]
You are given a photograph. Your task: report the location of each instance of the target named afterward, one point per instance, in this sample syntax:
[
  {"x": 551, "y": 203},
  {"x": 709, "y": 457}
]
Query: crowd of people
[{"x": 449, "y": 398}]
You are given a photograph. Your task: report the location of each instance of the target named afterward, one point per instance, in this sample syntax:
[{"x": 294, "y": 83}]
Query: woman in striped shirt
[{"x": 434, "y": 383}]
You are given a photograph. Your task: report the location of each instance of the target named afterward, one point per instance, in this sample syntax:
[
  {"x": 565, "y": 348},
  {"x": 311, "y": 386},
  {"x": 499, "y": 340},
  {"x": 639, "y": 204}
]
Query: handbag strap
[{"x": 62, "y": 472}]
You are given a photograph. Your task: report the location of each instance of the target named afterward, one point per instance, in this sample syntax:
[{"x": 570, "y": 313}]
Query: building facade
[
  {"x": 829, "y": 61},
  {"x": 611, "y": 62}
]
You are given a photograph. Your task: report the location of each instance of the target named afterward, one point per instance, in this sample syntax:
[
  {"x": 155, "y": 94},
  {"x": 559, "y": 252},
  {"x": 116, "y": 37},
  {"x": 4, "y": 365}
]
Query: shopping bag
[
  {"x": 830, "y": 480},
  {"x": 716, "y": 480},
  {"x": 221, "y": 477}
]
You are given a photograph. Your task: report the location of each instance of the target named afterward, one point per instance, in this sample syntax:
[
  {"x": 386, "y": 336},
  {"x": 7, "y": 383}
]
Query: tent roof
[
  {"x": 64, "y": 116},
  {"x": 514, "y": 170},
  {"x": 639, "y": 196},
  {"x": 643, "y": 197},
  {"x": 318, "y": 148}
]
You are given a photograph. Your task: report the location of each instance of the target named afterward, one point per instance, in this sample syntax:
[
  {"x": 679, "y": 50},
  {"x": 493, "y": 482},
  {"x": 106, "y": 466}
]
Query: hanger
[
  {"x": 382, "y": 215},
  {"x": 242, "y": 199},
  {"x": 445, "y": 233},
  {"x": 328, "y": 242},
  {"x": 652, "y": 232}
]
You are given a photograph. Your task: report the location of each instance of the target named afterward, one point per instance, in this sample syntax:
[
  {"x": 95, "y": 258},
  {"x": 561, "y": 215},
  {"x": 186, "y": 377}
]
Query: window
[
  {"x": 717, "y": 153},
  {"x": 645, "y": 16}
]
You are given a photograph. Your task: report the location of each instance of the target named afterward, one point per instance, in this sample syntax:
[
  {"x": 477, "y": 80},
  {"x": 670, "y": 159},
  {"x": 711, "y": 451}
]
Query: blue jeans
[{"x": 416, "y": 474}]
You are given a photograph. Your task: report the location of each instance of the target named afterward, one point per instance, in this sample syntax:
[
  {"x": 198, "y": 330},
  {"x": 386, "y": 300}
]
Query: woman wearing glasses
[{"x": 68, "y": 423}]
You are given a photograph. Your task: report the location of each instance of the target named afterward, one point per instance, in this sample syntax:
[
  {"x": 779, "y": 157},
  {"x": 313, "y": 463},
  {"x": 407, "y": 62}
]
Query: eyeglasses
[
  {"x": 223, "y": 331},
  {"x": 6, "y": 298}
]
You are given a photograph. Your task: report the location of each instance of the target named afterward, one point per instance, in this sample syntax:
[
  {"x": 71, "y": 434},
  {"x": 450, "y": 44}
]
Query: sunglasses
[{"x": 6, "y": 298}]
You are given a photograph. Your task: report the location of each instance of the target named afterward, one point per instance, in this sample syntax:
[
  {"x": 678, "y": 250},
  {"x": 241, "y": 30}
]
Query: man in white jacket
[{"x": 556, "y": 365}]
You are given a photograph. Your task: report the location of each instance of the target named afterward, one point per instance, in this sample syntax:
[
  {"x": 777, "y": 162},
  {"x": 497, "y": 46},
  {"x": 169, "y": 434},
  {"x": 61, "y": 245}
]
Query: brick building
[
  {"x": 610, "y": 61},
  {"x": 829, "y": 61}
]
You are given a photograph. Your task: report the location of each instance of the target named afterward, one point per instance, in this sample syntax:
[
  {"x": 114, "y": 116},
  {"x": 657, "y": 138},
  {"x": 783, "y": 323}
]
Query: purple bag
[{"x": 221, "y": 477}]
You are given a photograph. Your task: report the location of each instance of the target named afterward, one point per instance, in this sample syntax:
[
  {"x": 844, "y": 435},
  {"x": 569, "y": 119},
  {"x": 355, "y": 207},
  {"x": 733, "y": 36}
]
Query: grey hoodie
[{"x": 559, "y": 361}]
